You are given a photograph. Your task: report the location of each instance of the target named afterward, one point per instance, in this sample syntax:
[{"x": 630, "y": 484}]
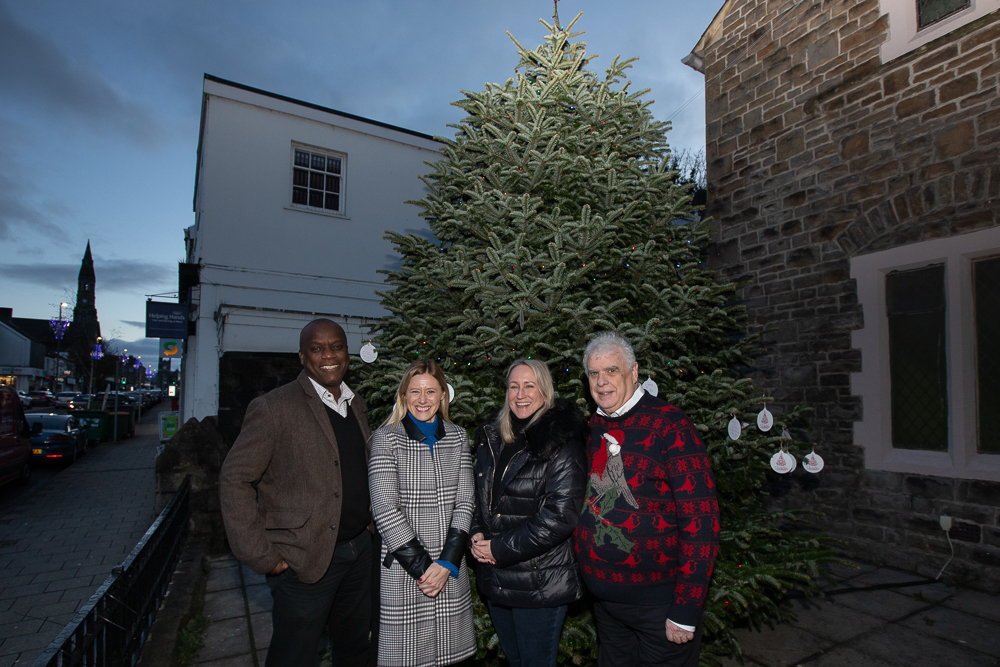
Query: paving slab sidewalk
[
  {"x": 238, "y": 606},
  {"x": 59, "y": 544},
  {"x": 913, "y": 626}
]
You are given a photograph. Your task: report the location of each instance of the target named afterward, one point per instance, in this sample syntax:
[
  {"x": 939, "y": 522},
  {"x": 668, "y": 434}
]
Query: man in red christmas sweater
[{"x": 649, "y": 532}]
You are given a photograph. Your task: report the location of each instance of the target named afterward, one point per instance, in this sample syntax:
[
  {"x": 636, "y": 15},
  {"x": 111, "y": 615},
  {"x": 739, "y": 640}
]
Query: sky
[{"x": 100, "y": 105}]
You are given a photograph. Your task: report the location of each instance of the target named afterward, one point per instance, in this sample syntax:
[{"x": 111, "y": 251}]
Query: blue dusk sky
[{"x": 100, "y": 104}]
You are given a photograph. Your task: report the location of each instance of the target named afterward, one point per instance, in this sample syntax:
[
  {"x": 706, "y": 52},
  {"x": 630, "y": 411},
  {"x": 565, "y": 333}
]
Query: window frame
[
  {"x": 930, "y": 24},
  {"x": 327, "y": 152},
  {"x": 912, "y": 316},
  {"x": 904, "y": 34},
  {"x": 874, "y": 431},
  {"x": 979, "y": 336}
]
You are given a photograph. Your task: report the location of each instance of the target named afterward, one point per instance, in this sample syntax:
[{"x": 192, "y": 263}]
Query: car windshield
[
  {"x": 71, "y": 394},
  {"x": 51, "y": 423}
]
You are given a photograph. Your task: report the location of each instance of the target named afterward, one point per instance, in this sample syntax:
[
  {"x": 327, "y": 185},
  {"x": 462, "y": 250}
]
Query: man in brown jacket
[{"x": 295, "y": 502}]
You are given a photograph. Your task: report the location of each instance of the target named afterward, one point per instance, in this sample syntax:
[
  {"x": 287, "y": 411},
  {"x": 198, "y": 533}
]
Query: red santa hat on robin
[{"x": 611, "y": 447}]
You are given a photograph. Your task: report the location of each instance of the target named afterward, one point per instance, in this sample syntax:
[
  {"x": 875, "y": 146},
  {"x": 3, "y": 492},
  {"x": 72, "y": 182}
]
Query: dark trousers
[
  {"x": 339, "y": 601},
  {"x": 631, "y": 634},
  {"x": 528, "y": 637}
]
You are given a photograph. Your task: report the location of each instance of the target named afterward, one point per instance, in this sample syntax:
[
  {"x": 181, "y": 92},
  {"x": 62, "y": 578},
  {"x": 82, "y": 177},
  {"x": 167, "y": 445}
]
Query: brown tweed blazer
[{"x": 280, "y": 483}]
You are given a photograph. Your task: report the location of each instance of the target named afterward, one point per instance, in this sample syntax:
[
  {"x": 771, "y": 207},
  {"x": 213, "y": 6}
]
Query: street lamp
[
  {"x": 58, "y": 329},
  {"x": 94, "y": 354}
]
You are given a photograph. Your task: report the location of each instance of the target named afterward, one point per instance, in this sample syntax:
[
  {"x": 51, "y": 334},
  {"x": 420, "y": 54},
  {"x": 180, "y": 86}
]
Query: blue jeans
[{"x": 528, "y": 637}]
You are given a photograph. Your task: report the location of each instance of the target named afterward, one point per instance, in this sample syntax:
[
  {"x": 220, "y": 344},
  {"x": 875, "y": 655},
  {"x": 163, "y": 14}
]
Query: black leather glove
[
  {"x": 454, "y": 547},
  {"x": 412, "y": 556}
]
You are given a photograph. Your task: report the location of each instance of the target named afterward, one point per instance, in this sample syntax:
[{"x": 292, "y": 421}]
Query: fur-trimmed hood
[{"x": 562, "y": 425}]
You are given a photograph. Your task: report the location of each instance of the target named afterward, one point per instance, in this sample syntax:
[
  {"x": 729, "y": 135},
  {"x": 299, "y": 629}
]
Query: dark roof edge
[{"x": 317, "y": 107}]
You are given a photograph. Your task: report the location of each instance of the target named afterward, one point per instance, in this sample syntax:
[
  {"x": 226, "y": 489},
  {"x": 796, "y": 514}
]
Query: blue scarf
[{"x": 428, "y": 429}]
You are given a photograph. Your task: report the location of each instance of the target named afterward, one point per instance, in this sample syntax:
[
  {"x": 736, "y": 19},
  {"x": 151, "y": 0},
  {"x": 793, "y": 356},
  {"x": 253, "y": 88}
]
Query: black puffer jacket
[{"x": 533, "y": 518}]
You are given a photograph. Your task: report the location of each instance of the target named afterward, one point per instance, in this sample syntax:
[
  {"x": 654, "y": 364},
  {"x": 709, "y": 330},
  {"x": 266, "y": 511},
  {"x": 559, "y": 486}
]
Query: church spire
[
  {"x": 85, "y": 324},
  {"x": 87, "y": 267}
]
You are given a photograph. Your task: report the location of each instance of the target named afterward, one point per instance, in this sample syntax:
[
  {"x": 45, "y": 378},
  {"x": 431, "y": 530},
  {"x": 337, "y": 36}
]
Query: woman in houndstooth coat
[{"x": 420, "y": 478}]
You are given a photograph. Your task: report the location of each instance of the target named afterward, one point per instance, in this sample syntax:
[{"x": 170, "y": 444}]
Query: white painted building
[
  {"x": 291, "y": 204},
  {"x": 16, "y": 368}
]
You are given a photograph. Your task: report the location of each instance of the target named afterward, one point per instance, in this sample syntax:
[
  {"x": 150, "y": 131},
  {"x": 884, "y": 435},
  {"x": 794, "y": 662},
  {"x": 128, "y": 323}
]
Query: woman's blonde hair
[
  {"x": 418, "y": 367},
  {"x": 543, "y": 380}
]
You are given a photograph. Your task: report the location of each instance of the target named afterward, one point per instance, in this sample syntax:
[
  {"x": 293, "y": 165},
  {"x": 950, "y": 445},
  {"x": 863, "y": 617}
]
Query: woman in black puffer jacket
[{"x": 530, "y": 478}]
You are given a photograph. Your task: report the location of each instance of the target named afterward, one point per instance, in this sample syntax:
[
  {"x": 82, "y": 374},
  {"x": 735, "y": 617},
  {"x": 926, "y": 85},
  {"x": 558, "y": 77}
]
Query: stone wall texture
[{"x": 818, "y": 152}]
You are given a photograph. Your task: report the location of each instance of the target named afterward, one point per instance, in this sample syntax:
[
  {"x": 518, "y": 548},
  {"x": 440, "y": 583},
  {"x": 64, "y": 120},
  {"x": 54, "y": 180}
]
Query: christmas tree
[{"x": 555, "y": 216}]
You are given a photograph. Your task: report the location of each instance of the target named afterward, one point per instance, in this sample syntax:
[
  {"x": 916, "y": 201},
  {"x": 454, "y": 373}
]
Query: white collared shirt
[
  {"x": 629, "y": 404},
  {"x": 340, "y": 407}
]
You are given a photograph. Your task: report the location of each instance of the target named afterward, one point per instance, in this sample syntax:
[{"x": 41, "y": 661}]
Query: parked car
[
  {"x": 124, "y": 398},
  {"x": 70, "y": 399},
  {"x": 15, "y": 439},
  {"x": 125, "y": 402},
  {"x": 57, "y": 437},
  {"x": 42, "y": 397},
  {"x": 97, "y": 398},
  {"x": 140, "y": 399},
  {"x": 155, "y": 396}
]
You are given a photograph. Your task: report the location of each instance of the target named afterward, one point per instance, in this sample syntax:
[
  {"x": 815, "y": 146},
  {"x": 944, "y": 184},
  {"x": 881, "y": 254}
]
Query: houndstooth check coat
[{"x": 415, "y": 494}]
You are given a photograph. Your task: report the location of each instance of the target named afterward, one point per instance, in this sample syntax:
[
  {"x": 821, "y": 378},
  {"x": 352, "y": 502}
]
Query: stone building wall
[{"x": 818, "y": 152}]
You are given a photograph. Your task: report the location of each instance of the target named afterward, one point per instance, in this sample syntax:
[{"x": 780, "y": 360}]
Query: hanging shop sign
[{"x": 166, "y": 320}]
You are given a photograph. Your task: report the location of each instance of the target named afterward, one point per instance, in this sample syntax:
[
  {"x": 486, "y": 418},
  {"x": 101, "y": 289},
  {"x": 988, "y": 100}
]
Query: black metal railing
[{"x": 110, "y": 629}]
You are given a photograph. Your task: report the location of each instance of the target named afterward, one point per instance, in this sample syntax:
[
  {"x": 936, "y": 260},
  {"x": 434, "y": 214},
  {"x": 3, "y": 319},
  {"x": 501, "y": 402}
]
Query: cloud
[
  {"x": 56, "y": 276},
  {"x": 115, "y": 275},
  {"x": 126, "y": 275},
  {"x": 16, "y": 210},
  {"x": 147, "y": 348},
  {"x": 36, "y": 74},
  {"x": 18, "y": 207}
]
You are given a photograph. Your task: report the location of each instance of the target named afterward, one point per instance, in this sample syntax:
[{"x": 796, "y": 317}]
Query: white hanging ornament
[
  {"x": 451, "y": 393},
  {"x": 813, "y": 462},
  {"x": 782, "y": 462},
  {"x": 795, "y": 461},
  {"x": 765, "y": 420},
  {"x": 735, "y": 428},
  {"x": 368, "y": 353},
  {"x": 651, "y": 387}
]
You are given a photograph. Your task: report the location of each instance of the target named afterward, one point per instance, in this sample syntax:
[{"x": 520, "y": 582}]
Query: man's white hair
[{"x": 609, "y": 341}]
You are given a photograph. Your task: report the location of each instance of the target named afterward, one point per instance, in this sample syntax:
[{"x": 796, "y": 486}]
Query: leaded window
[
  {"x": 931, "y": 11},
  {"x": 915, "y": 304},
  {"x": 317, "y": 180},
  {"x": 986, "y": 290}
]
